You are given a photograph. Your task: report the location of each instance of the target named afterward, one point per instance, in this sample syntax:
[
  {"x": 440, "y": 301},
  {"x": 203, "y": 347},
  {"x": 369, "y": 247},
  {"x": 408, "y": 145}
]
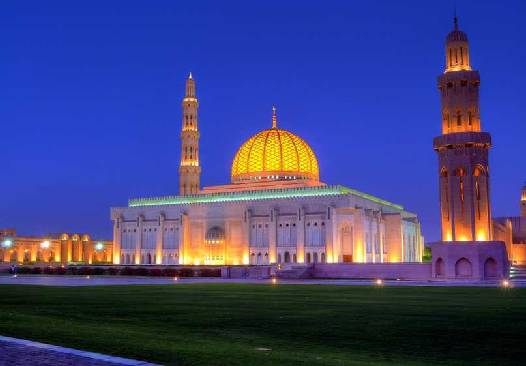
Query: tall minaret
[
  {"x": 462, "y": 148},
  {"x": 189, "y": 169}
]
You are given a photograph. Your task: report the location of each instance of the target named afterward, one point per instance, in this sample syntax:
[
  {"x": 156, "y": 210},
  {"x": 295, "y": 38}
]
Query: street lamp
[
  {"x": 7, "y": 243},
  {"x": 44, "y": 244}
]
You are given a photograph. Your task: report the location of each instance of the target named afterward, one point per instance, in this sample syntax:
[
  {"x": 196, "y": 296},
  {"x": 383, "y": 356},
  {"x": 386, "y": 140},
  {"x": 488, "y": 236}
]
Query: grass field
[{"x": 236, "y": 324}]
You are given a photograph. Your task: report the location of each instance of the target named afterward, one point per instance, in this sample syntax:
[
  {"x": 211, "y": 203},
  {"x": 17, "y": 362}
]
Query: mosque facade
[{"x": 275, "y": 210}]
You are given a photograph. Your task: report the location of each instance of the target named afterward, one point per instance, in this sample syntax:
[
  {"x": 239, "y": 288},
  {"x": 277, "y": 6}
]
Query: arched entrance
[
  {"x": 463, "y": 268},
  {"x": 215, "y": 246},
  {"x": 440, "y": 268},
  {"x": 490, "y": 268}
]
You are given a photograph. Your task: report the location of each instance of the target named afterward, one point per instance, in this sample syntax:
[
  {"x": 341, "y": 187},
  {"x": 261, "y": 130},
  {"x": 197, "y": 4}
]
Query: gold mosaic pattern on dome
[{"x": 275, "y": 152}]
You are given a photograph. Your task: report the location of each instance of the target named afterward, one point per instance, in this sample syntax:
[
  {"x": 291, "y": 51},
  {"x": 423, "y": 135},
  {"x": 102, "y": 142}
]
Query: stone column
[
  {"x": 159, "y": 242},
  {"x": 359, "y": 254},
  {"x": 300, "y": 235},
  {"x": 117, "y": 240},
  {"x": 272, "y": 235},
  {"x": 184, "y": 237},
  {"x": 332, "y": 244},
  {"x": 246, "y": 236},
  {"x": 138, "y": 241}
]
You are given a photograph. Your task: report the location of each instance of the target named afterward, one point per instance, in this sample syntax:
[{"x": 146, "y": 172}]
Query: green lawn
[{"x": 225, "y": 324}]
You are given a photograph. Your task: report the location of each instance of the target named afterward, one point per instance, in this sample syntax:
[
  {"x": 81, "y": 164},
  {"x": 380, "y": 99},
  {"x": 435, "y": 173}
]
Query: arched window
[
  {"x": 279, "y": 258},
  {"x": 315, "y": 257},
  {"x": 149, "y": 256},
  {"x": 459, "y": 118},
  {"x": 294, "y": 258},
  {"x": 308, "y": 258},
  {"x": 287, "y": 257},
  {"x": 460, "y": 172},
  {"x": 322, "y": 257},
  {"x": 478, "y": 172}
]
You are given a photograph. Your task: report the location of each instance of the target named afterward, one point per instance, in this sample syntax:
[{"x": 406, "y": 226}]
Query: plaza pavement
[
  {"x": 21, "y": 352},
  {"x": 55, "y": 280}
]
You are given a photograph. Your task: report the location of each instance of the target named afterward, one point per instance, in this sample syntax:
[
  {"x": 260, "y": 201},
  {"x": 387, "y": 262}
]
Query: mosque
[{"x": 275, "y": 210}]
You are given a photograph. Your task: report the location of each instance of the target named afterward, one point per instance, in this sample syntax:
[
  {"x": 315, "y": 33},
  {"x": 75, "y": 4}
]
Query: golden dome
[{"x": 274, "y": 154}]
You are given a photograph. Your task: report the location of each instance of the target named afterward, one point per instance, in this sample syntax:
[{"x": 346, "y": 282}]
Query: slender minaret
[
  {"x": 462, "y": 148},
  {"x": 523, "y": 201},
  {"x": 189, "y": 169}
]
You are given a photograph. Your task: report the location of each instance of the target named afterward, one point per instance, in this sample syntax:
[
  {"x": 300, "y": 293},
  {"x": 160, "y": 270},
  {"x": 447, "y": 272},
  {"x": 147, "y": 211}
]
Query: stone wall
[{"x": 403, "y": 271}]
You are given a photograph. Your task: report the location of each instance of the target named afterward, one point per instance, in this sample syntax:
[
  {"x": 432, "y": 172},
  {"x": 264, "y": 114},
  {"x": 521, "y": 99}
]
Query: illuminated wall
[{"x": 63, "y": 249}]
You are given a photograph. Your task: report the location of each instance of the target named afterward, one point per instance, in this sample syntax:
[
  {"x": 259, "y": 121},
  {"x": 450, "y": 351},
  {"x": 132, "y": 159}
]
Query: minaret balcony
[{"x": 458, "y": 139}]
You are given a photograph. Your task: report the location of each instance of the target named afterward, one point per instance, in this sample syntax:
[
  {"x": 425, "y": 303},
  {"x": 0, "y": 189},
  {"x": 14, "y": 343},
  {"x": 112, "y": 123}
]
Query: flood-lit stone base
[{"x": 469, "y": 260}]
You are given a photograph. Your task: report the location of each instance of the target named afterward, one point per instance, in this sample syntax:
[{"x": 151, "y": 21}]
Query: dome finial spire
[
  {"x": 274, "y": 117},
  {"x": 190, "y": 75},
  {"x": 455, "y": 19}
]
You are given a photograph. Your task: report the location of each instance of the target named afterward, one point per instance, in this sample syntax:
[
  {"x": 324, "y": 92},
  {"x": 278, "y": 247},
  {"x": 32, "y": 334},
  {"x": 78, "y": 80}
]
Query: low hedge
[{"x": 120, "y": 271}]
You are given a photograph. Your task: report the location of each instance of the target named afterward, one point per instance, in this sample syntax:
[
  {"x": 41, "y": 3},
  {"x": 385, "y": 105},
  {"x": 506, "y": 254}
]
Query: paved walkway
[
  {"x": 43, "y": 280},
  {"x": 20, "y": 352}
]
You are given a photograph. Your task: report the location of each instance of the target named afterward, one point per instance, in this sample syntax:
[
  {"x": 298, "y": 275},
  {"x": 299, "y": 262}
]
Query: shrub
[
  {"x": 97, "y": 271},
  {"x": 48, "y": 270},
  {"x": 210, "y": 272},
  {"x": 60, "y": 271},
  {"x": 186, "y": 272},
  {"x": 169, "y": 272},
  {"x": 155, "y": 272},
  {"x": 72, "y": 270},
  {"x": 85, "y": 271},
  {"x": 113, "y": 271},
  {"x": 126, "y": 271},
  {"x": 140, "y": 271},
  {"x": 427, "y": 255},
  {"x": 36, "y": 270},
  {"x": 23, "y": 270}
]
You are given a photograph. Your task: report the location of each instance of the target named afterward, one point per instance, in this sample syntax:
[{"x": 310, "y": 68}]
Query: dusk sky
[{"x": 90, "y": 103}]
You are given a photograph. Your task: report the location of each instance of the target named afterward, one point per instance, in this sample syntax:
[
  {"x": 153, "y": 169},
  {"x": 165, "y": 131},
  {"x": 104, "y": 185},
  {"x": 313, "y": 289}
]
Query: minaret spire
[
  {"x": 189, "y": 168},
  {"x": 274, "y": 117}
]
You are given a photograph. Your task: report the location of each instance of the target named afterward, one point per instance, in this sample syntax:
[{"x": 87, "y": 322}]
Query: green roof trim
[{"x": 268, "y": 194}]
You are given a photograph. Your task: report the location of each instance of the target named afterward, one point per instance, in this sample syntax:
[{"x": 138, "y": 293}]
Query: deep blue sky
[{"x": 90, "y": 97}]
